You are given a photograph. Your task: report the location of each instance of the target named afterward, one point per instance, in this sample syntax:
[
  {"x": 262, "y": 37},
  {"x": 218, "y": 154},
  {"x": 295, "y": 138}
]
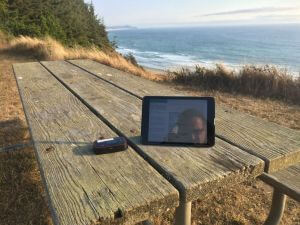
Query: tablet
[{"x": 169, "y": 120}]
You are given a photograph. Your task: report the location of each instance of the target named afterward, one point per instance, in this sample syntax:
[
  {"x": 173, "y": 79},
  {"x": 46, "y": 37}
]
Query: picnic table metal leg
[
  {"x": 277, "y": 208},
  {"x": 183, "y": 213}
]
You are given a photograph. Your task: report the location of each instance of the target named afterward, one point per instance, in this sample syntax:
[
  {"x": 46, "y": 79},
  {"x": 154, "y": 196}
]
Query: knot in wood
[
  {"x": 132, "y": 131},
  {"x": 50, "y": 149}
]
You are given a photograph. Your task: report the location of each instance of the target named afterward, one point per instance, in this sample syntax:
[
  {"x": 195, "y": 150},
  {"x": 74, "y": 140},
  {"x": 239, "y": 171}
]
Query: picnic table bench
[
  {"x": 285, "y": 182},
  {"x": 87, "y": 99}
]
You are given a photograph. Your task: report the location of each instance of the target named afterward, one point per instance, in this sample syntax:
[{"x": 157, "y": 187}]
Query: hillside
[{"x": 72, "y": 22}]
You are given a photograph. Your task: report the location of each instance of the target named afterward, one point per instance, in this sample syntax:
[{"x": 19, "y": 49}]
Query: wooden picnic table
[
  {"x": 111, "y": 100},
  {"x": 192, "y": 171}
]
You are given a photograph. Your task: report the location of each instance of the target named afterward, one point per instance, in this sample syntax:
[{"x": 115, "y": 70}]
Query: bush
[
  {"x": 130, "y": 58},
  {"x": 258, "y": 81}
]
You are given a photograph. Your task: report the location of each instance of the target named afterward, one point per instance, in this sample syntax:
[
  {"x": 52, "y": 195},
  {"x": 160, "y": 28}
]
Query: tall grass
[
  {"x": 4, "y": 39},
  {"x": 50, "y": 49},
  {"x": 258, "y": 81}
]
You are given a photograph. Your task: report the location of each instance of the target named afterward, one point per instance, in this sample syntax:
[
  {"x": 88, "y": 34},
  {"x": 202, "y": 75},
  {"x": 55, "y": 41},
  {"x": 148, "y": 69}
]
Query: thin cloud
[
  {"x": 293, "y": 17},
  {"x": 253, "y": 10}
]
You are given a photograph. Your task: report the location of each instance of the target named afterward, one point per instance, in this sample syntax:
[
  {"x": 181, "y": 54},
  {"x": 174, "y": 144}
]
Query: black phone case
[{"x": 110, "y": 146}]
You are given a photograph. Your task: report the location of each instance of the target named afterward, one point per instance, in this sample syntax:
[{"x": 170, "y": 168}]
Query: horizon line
[{"x": 197, "y": 25}]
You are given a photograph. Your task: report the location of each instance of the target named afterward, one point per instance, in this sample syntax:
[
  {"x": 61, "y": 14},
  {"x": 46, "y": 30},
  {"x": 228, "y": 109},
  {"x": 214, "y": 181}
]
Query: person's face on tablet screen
[{"x": 192, "y": 127}]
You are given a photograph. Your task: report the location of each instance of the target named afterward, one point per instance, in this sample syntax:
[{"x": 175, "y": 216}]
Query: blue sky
[{"x": 147, "y": 13}]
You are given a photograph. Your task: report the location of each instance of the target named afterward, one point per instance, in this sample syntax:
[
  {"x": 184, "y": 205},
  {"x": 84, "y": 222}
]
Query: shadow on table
[
  {"x": 78, "y": 148},
  {"x": 87, "y": 149}
]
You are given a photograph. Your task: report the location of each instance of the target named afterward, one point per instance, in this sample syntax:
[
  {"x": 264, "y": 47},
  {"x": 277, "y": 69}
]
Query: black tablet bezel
[{"x": 210, "y": 121}]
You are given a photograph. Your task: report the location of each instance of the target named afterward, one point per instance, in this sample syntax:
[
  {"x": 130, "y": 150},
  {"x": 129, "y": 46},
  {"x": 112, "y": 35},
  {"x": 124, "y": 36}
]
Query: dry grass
[
  {"x": 244, "y": 204},
  {"x": 50, "y": 49},
  {"x": 22, "y": 195},
  {"x": 260, "y": 82},
  {"x": 4, "y": 39},
  {"x": 22, "y": 199},
  {"x": 13, "y": 128}
]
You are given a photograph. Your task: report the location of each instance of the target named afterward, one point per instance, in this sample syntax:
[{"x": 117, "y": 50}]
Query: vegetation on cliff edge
[{"x": 72, "y": 22}]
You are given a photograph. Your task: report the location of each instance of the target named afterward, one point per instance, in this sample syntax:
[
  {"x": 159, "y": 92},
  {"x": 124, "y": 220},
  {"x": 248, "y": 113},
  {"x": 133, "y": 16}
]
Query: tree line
[{"x": 72, "y": 22}]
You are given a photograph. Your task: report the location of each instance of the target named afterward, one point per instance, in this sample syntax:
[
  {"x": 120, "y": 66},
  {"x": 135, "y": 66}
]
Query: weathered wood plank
[
  {"x": 138, "y": 86},
  {"x": 82, "y": 187},
  {"x": 193, "y": 171},
  {"x": 278, "y": 146},
  {"x": 287, "y": 181}
]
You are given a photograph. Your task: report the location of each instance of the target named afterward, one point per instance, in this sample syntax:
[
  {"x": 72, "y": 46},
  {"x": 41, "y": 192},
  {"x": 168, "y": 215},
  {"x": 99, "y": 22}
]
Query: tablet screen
[{"x": 177, "y": 121}]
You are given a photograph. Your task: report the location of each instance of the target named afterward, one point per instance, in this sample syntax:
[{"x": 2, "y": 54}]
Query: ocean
[{"x": 234, "y": 46}]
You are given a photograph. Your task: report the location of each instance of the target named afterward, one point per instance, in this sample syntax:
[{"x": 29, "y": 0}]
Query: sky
[{"x": 155, "y": 13}]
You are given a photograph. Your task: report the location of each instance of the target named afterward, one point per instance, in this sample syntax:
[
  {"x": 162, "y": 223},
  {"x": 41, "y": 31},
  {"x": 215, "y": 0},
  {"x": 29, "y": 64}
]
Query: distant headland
[{"x": 126, "y": 27}]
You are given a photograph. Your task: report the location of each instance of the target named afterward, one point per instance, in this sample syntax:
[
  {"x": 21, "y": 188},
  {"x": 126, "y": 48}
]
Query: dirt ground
[{"x": 22, "y": 198}]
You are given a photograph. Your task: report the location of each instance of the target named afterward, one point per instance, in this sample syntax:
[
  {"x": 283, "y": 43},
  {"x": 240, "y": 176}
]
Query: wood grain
[
  {"x": 287, "y": 181},
  {"x": 193, "y": 171},
  {"x": 278, "y": 146},
  {"x": 84, "y": 188}
]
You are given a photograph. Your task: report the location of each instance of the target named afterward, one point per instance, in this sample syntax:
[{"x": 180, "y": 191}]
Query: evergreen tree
[
  {"x": 72, "y": 22},
  {"x": 3, "y": 12}
]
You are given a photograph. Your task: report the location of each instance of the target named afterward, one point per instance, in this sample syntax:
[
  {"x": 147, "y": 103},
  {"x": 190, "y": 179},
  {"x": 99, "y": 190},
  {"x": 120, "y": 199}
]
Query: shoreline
[{"x": 156, "y": 71}]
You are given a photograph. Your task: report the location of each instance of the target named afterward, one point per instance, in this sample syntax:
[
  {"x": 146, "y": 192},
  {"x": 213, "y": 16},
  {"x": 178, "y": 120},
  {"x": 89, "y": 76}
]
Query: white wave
[
  {"x": 126, "y": 50},
  {"x": 169, "y": 61}
]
